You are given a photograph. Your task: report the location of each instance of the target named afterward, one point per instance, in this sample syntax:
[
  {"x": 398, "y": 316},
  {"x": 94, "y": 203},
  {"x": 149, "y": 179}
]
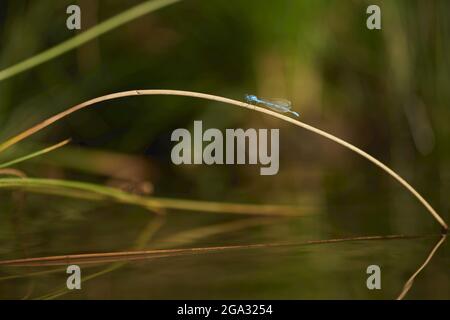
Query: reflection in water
[
  {"x": 410, "y": 281},
  {"x": 341, "y": 257},
  {"x": 143, "y": 238},
  {"x": 119, "y": 259},
  {"x": 92, "y": 258},
  {"x": 17, "y": 219}
]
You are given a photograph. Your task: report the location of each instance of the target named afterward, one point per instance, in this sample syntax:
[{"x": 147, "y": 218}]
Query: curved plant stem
[
  {"x": 76, "y": 41},
  {"x": 322, "y": 133}
]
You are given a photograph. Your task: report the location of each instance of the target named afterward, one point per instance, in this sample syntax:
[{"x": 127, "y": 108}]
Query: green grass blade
[
  {"x": 34, "y": 154},
  {"x": 93, "y": 191},
  {"x": 76, "y": 41}
]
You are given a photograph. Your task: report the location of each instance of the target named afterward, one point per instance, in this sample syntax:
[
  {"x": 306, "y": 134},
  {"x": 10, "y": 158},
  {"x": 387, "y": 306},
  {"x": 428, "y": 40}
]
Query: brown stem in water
[{"x": 165, "y": 253}]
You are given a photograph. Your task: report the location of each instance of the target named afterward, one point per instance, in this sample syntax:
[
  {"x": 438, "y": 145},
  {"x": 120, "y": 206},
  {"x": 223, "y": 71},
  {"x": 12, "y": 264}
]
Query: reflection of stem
[
  {"x": 5, "y": 145},
  {"x": 182, "y": 237},
  {"x": 16, "y": 220},
  {"x": 188, "y": 236},
  {"x": 21, "y": 237},
  {"x": 165, "y": 253},
  {"x": 410, "y": 281},
  {"x": 192, "y": 235},
  {"x": 144, "y": 237}
]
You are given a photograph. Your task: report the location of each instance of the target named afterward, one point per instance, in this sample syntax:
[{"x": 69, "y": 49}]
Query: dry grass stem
[{"x": 298, "y": 123}]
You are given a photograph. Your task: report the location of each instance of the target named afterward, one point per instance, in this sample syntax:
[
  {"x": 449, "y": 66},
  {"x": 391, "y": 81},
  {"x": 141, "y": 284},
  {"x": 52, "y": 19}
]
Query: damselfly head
[{"x": 250, "y": 98}]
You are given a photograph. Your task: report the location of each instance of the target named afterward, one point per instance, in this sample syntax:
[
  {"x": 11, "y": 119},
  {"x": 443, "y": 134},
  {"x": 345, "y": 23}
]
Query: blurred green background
[{"x": 385, "y": 90}]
